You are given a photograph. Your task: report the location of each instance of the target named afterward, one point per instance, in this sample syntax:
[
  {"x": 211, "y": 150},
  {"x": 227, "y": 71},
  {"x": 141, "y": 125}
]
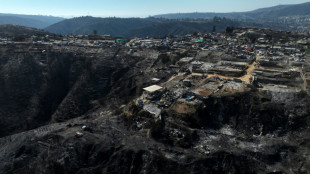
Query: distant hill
[
  {"x": 35, "y": 21},
  {"x": 13, "y": 30},
  {"x": 177, "y": 27},
  {"x": 283, "y": 10},
  {"x": 294, "y": 17},
  {"x": 283, "y": 17},
  {"x": 86, "y": 25},
  {"x": 263, "y": 13},
  {"x": 138, "y": 27}
]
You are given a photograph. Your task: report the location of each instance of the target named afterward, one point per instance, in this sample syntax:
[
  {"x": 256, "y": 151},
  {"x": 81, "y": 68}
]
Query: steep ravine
[{"x": 39, "y": 87}]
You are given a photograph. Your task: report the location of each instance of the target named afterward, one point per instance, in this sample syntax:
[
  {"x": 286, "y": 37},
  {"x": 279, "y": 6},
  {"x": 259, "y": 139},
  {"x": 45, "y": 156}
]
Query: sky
[{"x": 132, "y": 8}]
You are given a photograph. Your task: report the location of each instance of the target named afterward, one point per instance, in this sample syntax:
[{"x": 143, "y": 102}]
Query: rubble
[
  {"x": 78, "y": 134},
  {"x": 213, "y": 103},
  {"x": 152, "y": 109}
]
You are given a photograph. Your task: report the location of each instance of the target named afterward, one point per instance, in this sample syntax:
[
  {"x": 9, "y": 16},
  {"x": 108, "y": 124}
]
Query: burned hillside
[
  {"x": 51, "y": 84},
  {"x": 234, "y": 102}
]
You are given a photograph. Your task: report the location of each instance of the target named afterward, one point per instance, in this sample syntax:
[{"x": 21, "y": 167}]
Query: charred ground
[{"x": 219, "y": 112}]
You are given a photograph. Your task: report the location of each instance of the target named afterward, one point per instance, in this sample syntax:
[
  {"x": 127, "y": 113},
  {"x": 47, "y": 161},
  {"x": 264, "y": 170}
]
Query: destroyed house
[{"x": 153, "y": 92}]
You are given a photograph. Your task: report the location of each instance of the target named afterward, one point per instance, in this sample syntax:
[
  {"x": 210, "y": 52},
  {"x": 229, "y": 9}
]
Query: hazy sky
[{"x": 132, "y": 8}]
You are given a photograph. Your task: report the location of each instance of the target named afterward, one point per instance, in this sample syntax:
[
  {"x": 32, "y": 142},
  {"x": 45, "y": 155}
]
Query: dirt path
[{"x": 247, "y": 77}]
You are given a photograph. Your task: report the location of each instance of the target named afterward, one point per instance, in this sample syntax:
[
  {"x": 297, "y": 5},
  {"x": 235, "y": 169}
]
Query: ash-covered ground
[{"x": 222, "y": 103}]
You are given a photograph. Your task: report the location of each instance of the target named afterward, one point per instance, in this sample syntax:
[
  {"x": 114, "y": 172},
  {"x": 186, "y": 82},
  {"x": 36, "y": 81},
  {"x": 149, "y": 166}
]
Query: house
[
  {"x": 153, "y": 92},
  {"x": 153, "y": 109}
]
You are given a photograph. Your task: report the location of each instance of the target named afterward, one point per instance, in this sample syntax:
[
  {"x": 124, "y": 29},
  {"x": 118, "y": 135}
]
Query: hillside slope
[
  {"x": 267, "y": 13},
  {"x": 86, "y": 25},
  {"x": 284, "y": 17},
  {"x": 139, "y": 27},
  {"x": 14, "y": 30},
  {"x": 34, "y": 21},
  {"x": 236, "y": 129}
]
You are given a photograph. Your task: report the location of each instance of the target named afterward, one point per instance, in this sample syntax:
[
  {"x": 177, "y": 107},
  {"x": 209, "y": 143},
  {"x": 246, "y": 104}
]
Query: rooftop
[{"x": 152, "y": 88}]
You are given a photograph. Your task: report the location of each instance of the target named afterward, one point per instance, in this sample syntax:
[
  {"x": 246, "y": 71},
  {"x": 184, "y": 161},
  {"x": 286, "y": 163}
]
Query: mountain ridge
[
  {"x": 283, "y": 17},
  {"x": 140, "y": 27},
  {"x": 294, "y": 9},
  {"x": 34, "y": 21}
]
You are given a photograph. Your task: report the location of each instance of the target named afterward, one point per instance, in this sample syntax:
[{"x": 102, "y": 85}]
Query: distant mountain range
[
  {"x": 283, "y": 17},
  {"x": 269, "y": 13},
  {"x": 35, "y": 21},
  {"x": 138, "y": 27}
]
